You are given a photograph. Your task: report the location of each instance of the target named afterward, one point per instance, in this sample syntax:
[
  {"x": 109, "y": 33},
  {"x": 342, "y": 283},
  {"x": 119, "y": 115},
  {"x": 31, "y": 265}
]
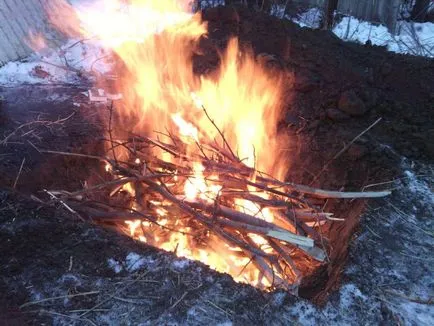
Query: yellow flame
[
  {"x": 185, "y": 128},
  {"x": 156, "y": 40}
]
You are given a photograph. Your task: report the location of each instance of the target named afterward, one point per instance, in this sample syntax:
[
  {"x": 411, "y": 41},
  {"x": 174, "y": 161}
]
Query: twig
[
  {"x": 220, "y": 132},
  {"x": 110, "y": 131},
  {"x": 177, "y": 302},
  {"x": 37, "y": 122},
  {"x": 429, "y": 301},
  {"x": 48, "y": 312},
  {"x": 64, "y": 205},
  {"x": 113, "y": 295},
  {"x": 345, "y": 148},
  {"x": 68, "y": 296},
  {"x": 99, "y": 158},
  {"x": 19, "y": 173}
]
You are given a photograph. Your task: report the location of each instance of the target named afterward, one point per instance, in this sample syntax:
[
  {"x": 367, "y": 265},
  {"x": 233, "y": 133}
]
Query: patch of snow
[
  {"x": 35, "y": 295},
  {"x": 211, "y": 3},
  {"x": 304, "y": 313},
  {"x": 421, "y": 314},
  {"x": 114, "y": 265},
  {"x": 352, "y": 29},
  {"x": 411, "y": 37},
  {"x": 181, "y": 264},
  {"x": 226, "y": 323},
  {"x": 419, "y": 188},
  {"x": 278, "y": 299},
  {"x": 134, "y": 262},
  {"x": 310, "y": 18},
  {"x": 70, "y": 280},
  {"x": 64, "y": 65},
  {"x": 348, "y": 294},
  {"x": 278, "y": 10}
]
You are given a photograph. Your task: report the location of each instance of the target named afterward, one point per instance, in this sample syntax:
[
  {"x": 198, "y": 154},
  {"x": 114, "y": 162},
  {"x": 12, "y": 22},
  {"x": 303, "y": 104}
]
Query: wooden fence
[{"x": 19, "y": 19}]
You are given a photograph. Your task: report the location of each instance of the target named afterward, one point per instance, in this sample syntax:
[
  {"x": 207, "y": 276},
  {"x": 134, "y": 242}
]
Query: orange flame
[{"x": 155, "y": 40}]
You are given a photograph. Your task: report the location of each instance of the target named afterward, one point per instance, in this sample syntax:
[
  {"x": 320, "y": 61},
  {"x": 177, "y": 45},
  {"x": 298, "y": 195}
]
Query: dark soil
[{"x": 336, "y": 91}]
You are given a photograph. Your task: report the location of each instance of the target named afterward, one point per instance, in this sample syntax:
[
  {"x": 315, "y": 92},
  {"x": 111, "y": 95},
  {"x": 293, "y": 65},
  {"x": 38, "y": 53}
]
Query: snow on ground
[
  {"x": 77, "y": 57},
  {"x": 310, "y": 18},
  {"x": 411, "y": 38},
  {"x": 132, "y": 263},
  {"x": 63, "y": 65}
]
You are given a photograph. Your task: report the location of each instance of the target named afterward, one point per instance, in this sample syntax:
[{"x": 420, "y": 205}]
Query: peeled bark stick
[
  {"x": 323, "y": 194},
  {"x": 276, "y": 232},
  {"x": 320, "y": 193},
  {"x": 252, "y": 223},
  {"x": 315, "y": 252},
  {"x": 309, "y": 216},
  {"x": 303, "y": 228}
]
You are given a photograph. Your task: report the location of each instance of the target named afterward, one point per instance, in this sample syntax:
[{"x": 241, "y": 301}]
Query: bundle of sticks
[{"x": 146, "y": 191}]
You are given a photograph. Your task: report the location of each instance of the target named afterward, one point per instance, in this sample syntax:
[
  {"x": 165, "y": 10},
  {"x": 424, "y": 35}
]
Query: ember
[{"x": 193, "y": 161}]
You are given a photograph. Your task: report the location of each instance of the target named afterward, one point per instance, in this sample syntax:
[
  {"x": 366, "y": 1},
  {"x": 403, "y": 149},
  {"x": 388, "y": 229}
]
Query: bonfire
[{"x": 193, "y": 162}]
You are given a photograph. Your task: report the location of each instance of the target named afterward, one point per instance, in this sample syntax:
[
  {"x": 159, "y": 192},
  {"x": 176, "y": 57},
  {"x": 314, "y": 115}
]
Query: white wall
[{"x": 20, "y": 17}]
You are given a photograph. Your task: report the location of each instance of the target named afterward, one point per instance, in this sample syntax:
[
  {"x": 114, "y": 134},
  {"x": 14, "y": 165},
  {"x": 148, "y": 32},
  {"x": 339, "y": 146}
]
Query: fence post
[{"x": 392, "y": 15}]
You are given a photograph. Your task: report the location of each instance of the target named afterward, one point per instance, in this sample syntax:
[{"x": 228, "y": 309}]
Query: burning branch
[
  {"x": 232, "y": 202},
  {"x": 195, "y": 195}
]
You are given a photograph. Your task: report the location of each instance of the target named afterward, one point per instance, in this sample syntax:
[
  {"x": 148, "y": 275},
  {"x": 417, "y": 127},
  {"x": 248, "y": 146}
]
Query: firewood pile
[{"x": 167, "y": 188}]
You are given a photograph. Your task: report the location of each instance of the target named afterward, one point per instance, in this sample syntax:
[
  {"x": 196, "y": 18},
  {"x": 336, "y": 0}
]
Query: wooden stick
[
  {"x": 252, "y": 224},
  {"x": 242, "y": 169},
  {"x": 345, "y": 148},
  {"x": 320, "y": 193}
]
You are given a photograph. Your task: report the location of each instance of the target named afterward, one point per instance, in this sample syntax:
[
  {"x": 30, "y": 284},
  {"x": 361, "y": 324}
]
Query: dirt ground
[{"x": 337, "y": 90}]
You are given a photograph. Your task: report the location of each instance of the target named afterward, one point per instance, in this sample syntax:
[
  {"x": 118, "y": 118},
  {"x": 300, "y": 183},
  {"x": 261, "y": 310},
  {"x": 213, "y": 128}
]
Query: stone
[
  {"x": 352, "y": 104},
  {"x": 336, "y": 115}
]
